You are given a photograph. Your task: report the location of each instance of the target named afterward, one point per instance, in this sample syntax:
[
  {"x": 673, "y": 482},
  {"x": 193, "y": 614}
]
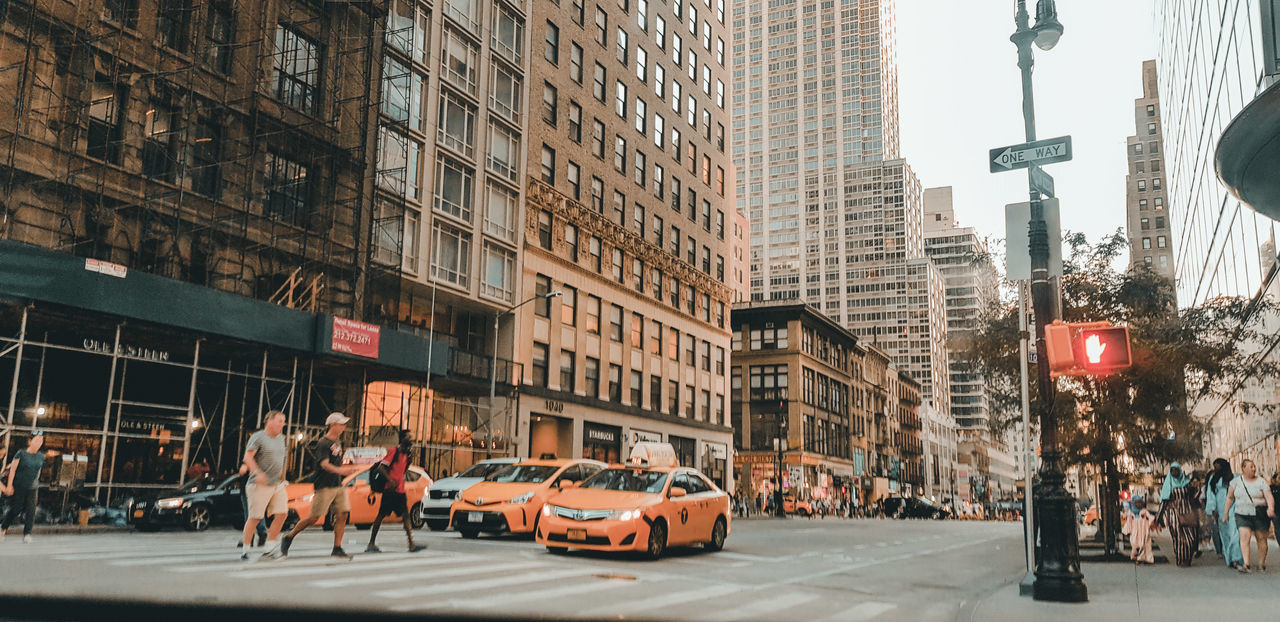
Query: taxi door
[
  {"x": 363, "y": 501},
  {"x": 684, "y": 515}
]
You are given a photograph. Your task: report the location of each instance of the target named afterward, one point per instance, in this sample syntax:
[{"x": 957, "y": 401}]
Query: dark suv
[{"x": 196, "y": 506}]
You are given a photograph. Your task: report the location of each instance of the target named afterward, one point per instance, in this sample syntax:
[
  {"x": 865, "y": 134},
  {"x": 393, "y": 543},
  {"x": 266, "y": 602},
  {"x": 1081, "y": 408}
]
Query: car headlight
[
  {"x": 626, "y": 514},
  {"x": 546, "y": 509},
  {"x": 522, "y": 498},
  {"x": 170, "y": 503}
]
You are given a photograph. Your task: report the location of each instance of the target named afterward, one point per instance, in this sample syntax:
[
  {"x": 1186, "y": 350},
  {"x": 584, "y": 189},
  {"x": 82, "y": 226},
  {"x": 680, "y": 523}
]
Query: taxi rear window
[
  {"x": 523, "y": 474},
  {"x": 482, "y": 469},
  {"x": 627, "y": 480}
]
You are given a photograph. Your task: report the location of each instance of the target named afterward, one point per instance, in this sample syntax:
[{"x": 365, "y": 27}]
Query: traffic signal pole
[{"x": 1058, "y": 576}]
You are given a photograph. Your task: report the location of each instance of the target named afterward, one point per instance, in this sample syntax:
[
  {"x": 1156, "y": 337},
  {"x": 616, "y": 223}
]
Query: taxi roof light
[{"x": 649, "y": 454}]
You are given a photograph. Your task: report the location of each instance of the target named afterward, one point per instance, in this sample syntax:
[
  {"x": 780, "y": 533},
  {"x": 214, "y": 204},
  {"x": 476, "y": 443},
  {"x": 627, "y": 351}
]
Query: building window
[
  {"x": 769, "y": 338},
  {"x": 288, "y": 186},
  {"x": 619, "y": 208},
  {"x": 499, "y": 272},
  {"x": 655, "y": 393},
  {"x": 719, "y": 361},
  {"x": 706, "y": 405},
  {"x": 689, "y": 345},
  {"x": 508, "y": 34},
  {"x": 571, "y": 242},
  {"x": 504, "y": 151},
  {"x": 172, "y": 21},
  {"x": 637, "y": 331},
  {"x": 620, "y": 99},
  {"x": 552, "y": 50},
  {"x": 1151, "y": 110},
  {"x": 296, "y": 69},
  {"x": 568, "y": 306},
  {"x": 457, "y": 124},
  {"x": 550, "y": 104},
  {"x": 688, "y": 401},
  {"x": 221, "y": 38},
  {"x": 642, "y": 64},
  {"x": 640, "y": 167},
  {"x": 505, "y": 97},
  {"x": 451, "y": 255},
  {"x": 655, "y": 339},
  {"x": 598, "y": 82},
  {"x": 591, "y": 376},
  {"x": 567, "y": 376},
  {"x": 1145, "y": 224},
  {"x": 398, "y": 171},
  {"x": 454, "y": 188},
  {"x": 1151, "y": 129},
  {"x": 616, "y": 266},
  {"x": 1161, "y": 242},
  {"x": 575, "y": 62},
  {"x": 673, "y": 344},
  {"x": 621, "y": 43},
  {"x": 124, "y": 12},
  {"x": 544, "y": 229},
  {"x": 460, "y": 62},
  {"x": 619, "y": 154},
  {"x": 539, "y": 364},
  {"x": 203, "y": 156},
  {"x": 637, "y": 275},
  {"x": 615, "y": 383},
  {"x": 575, "y": 122},
  {"x": 541, "y": 301},
  {"x": 465, "y": 12},
  {"x": 500, "y": 213},
  {"x": 673, "y": 398},
  {"x": 593, "y": 248},
  {"x": 768, "y": 382},
  {"x": 548, "y": 164},
  {"x": 579, "y": 11},
  {"x": 602, "y": 27},
  {"x": 593, "y": 315},
  {"x": 705, "y": 348},
  {"x": 597, "y": 139},
  {"x": 637, "y": 388},
  {"x": 1146, "y": 243},
  {"x": 106, "y": 112},
  {"x": 642, "y": 116},
  {"x": 615, "y": 323},
  {"x": 159, "y": 147}
]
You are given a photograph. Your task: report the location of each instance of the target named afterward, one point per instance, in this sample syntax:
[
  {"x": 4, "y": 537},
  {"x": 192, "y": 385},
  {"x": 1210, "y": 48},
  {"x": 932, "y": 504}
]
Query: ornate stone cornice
[{"x": 541, "y": 195}]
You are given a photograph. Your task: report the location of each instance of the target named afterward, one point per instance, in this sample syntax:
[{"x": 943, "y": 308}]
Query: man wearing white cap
[{"x": 329, "y": 493}]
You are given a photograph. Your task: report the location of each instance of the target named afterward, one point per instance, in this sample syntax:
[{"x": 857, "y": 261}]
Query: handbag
[
  {"x": 1259, "y": 511},
  {"x": 1189, "y": 519},
  {"x": 379, "y": 474}
]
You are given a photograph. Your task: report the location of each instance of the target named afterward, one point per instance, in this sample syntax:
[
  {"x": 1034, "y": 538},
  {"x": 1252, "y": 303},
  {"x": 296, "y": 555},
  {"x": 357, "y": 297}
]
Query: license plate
[
  {"x": 475, "y": 517},
  {"x": 137, "y": 513},
  {"x": 577, "y": 534}
]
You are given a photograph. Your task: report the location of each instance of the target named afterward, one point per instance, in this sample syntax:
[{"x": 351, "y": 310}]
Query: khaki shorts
[
  {"x": 267, "y": 500},
  {"x": 325, "y": 498}
]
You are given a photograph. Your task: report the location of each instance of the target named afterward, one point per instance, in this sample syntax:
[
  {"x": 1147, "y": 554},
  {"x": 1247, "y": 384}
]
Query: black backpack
[{"x": 378, "y": 475}]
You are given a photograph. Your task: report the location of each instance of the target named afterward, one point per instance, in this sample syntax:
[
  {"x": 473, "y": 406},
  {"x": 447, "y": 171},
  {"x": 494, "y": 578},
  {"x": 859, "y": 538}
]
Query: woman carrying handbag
[{"x": 1254, "y": 508}]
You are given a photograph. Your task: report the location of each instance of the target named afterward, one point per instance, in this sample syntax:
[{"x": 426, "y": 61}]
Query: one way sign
[{"x": 1039, "y": 153}]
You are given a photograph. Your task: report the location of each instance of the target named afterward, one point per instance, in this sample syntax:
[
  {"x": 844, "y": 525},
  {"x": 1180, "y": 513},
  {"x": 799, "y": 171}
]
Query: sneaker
[
  {"x": 285, "y": 543},
  {"x": 239, "y": 545},
  {"x": 274, "y": 555},
  {"x": 416, "y": 548},
  {"x": 244, "y": 557},
  {"x": 372, "y": 548},
  {"x": 26, "y": 539},
  {"x": 339, "y": 553},
  {"x": 1243, "y": 569}
]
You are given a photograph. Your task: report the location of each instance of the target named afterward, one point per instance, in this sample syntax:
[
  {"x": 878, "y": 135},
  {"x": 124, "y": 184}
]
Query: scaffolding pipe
[
  {"x": 17, "y": 367},
  {"x": 262, "y": 388},
  {"x": 106, "y": 412},
  {"x": 191, "y": 405}
]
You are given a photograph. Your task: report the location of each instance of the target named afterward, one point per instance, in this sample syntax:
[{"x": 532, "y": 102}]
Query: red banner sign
[{"x": 358, "y": 338}]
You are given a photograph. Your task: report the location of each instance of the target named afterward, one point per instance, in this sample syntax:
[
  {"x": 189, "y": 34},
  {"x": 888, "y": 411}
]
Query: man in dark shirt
[
  {"x": 329, "y": 493},
  {"x": 24, "y": 480},
  {"x": 395, "y": 464}
]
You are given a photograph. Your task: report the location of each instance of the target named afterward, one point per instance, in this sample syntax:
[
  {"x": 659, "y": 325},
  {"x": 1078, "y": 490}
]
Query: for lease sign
[{"x": 357, "y": 338}]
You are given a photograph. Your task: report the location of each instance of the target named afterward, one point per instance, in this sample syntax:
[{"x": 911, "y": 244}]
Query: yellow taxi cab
[
  {"x": 509, "y": 500},
  {"x": 646, "y": 505},
  {"x": 363, "y": 501}
]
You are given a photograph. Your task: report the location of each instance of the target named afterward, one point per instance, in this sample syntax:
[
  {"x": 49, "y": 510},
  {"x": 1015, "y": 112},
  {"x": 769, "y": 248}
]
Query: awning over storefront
[{"x": 31, "y": 273}]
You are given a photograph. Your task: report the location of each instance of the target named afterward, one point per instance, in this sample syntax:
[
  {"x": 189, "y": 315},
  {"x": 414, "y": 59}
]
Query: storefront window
[{"x": 601, "y": 442}]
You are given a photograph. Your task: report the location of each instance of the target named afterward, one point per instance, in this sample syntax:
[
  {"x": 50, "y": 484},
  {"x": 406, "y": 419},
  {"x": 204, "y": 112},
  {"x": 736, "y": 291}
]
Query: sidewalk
[{"x": 1208, "y": 590}]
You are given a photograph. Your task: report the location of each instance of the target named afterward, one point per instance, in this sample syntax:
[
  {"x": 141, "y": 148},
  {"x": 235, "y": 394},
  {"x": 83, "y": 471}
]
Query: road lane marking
[
  {"x": 645, "y": 606},
  {"x": 458, "y": 572},
  {"x": 761, "y": 608},
  {"x": 476, "y": 584},
  {"x": 272, "y": 570},
  {"x": 160, "y": 559},
  {"x": 876, "y": 562},
  {"x": 304, "y": 557},
  {"x": 134, "y": 552},
  {"x": 396, "y": 576},
  {"x": 860, "y": 612},
  {"x": 595, "y": 587}
]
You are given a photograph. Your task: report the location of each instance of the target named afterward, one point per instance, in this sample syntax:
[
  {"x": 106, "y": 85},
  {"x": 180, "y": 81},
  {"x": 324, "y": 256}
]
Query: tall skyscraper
[
  {"x": 835, "y": 218},
  {"x": 627, "y": 217},
  {"x": 1147, "y": 211},
  {"x": 971, "y": 284}
]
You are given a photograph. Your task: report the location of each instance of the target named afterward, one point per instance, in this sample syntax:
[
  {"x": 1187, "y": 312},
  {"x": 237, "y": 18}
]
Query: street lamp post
[
  {"x": 493, "y": 372},
  {"x": 1058, "y": 576}
]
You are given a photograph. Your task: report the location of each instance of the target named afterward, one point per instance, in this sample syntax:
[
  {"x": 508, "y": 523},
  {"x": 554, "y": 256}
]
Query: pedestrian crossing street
[{"x": 497, "y": 578}]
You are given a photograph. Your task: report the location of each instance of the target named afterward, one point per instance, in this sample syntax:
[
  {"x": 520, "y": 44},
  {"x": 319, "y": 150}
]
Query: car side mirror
[
  {"x": 567, "y": 483},
  {"x": 677, "y": 491}
]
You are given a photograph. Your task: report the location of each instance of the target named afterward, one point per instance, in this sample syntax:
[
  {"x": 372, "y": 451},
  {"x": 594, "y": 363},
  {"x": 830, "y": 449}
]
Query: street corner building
[{"x": 211, "y": 210}]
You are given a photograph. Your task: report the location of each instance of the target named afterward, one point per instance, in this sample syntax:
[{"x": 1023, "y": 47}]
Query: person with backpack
[
  {"x": 329, "y": 493},
  {"x": 387, "y": 477}
]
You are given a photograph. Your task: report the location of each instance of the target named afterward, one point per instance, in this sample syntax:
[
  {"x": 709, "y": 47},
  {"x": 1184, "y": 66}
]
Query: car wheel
[
  {"x": 197, "y": 518},
  {"x": 657, "y": 540},
  {"x": 437, "y": 525},
  {"x": 718, "y": 532},
  {"x": 557, "y": 550},
  {"x": 470, "y": 534}
]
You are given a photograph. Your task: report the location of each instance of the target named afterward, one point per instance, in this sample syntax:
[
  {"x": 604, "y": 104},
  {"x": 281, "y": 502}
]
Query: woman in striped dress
[{"x": 1177, "y": 494}]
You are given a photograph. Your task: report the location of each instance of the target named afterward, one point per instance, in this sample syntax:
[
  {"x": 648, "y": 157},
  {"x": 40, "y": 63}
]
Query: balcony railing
[{"x": 478, "y": 367}]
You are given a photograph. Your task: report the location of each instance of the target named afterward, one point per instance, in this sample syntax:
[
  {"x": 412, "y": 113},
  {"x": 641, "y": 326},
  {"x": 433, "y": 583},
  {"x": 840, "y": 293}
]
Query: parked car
[
  {"x": 363, "y": 501},
  {"x": 646, "y": 505},
  {"x": 792, "y": 506},
  {"x": 196, "y": 506},
  {"x": 441, "y": 494},
  {"x": 913, "y": 507}
]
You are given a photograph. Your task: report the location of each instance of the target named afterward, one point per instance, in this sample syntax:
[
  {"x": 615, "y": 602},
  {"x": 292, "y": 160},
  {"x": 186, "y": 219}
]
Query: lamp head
[
  {"x": 555, "y": 294},
  {"x": 1048, "y": 29}
]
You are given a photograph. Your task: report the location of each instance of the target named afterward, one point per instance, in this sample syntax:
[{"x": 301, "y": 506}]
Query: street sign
[
  {"x": 1041, "y": 182},
  {"x": 1039, "y": 153},
  {"x": 1017, "y": 220}
]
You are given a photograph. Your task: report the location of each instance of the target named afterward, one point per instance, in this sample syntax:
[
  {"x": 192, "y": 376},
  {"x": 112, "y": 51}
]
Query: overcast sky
[{"x": 960, "y": 92}]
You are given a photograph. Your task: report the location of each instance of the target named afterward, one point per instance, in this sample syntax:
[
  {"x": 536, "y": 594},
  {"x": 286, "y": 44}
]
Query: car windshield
[
  {"x": 628, "y": 480},
  {"x": 483, "y": 469},
  {"x": 523, "y": 474}
]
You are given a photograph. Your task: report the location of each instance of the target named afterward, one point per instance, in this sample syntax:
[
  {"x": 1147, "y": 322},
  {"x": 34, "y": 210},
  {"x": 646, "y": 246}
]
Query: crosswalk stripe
[
  {"x": 476, "y": 584},
  {"x": 860, "y": 612},
  {"x": 490, "y": 601},
  {"x": 770, "y": 604},
  {"x": 271, "y": 570},
  {"x": 170, "y": 559},
  {"x": 646, "y": 606},
  {"x": 383, "y": 578},
  {"x": 434, "y": 575},
  {"x": 303, "y": 557},
  {"x": 136, "y": 552}
]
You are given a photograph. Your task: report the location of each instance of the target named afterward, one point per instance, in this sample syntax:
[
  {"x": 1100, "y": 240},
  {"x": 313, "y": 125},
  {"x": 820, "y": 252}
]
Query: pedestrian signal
[{"x": 1087, "y": 348}]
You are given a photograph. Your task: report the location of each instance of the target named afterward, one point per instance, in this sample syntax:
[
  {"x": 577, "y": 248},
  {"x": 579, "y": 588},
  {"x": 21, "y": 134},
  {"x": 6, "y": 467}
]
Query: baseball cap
[{"x": 335, "y": 418}]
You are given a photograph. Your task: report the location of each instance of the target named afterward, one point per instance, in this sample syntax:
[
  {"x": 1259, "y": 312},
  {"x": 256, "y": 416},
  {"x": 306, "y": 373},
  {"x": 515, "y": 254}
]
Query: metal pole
[
  {"x": 35, "y": 416},
  {"x": 1028, "y": 491},
  {"x": 106, "y": 413},
  {"x": 493, "y": 388},
  {"x": 17, "y": 367},
  {"x": 262, "y": 388},
  {"x": 222, "y": 423},
  {"x": 1058, "y": 576},
  {"x": 191, "y": 405}
]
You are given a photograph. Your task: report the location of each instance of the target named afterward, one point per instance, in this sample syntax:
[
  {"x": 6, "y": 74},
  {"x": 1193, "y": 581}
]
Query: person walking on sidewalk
[
  {"x": 394, "y": 465},
  {"x": 1139, "y": 530},
  {"x": 264, "y": 454},
  {"x": 1254, "y": 508},
  {"x": 1224, "y": 522},
  {"x": 1178, "y": 514},
  {"x": 23, "y": 482},
  {"x": 329, "y": 493}
]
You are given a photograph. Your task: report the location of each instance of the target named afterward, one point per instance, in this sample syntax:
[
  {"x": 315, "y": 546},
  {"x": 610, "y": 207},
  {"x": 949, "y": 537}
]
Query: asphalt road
[{"x": 769, "y": 570}]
